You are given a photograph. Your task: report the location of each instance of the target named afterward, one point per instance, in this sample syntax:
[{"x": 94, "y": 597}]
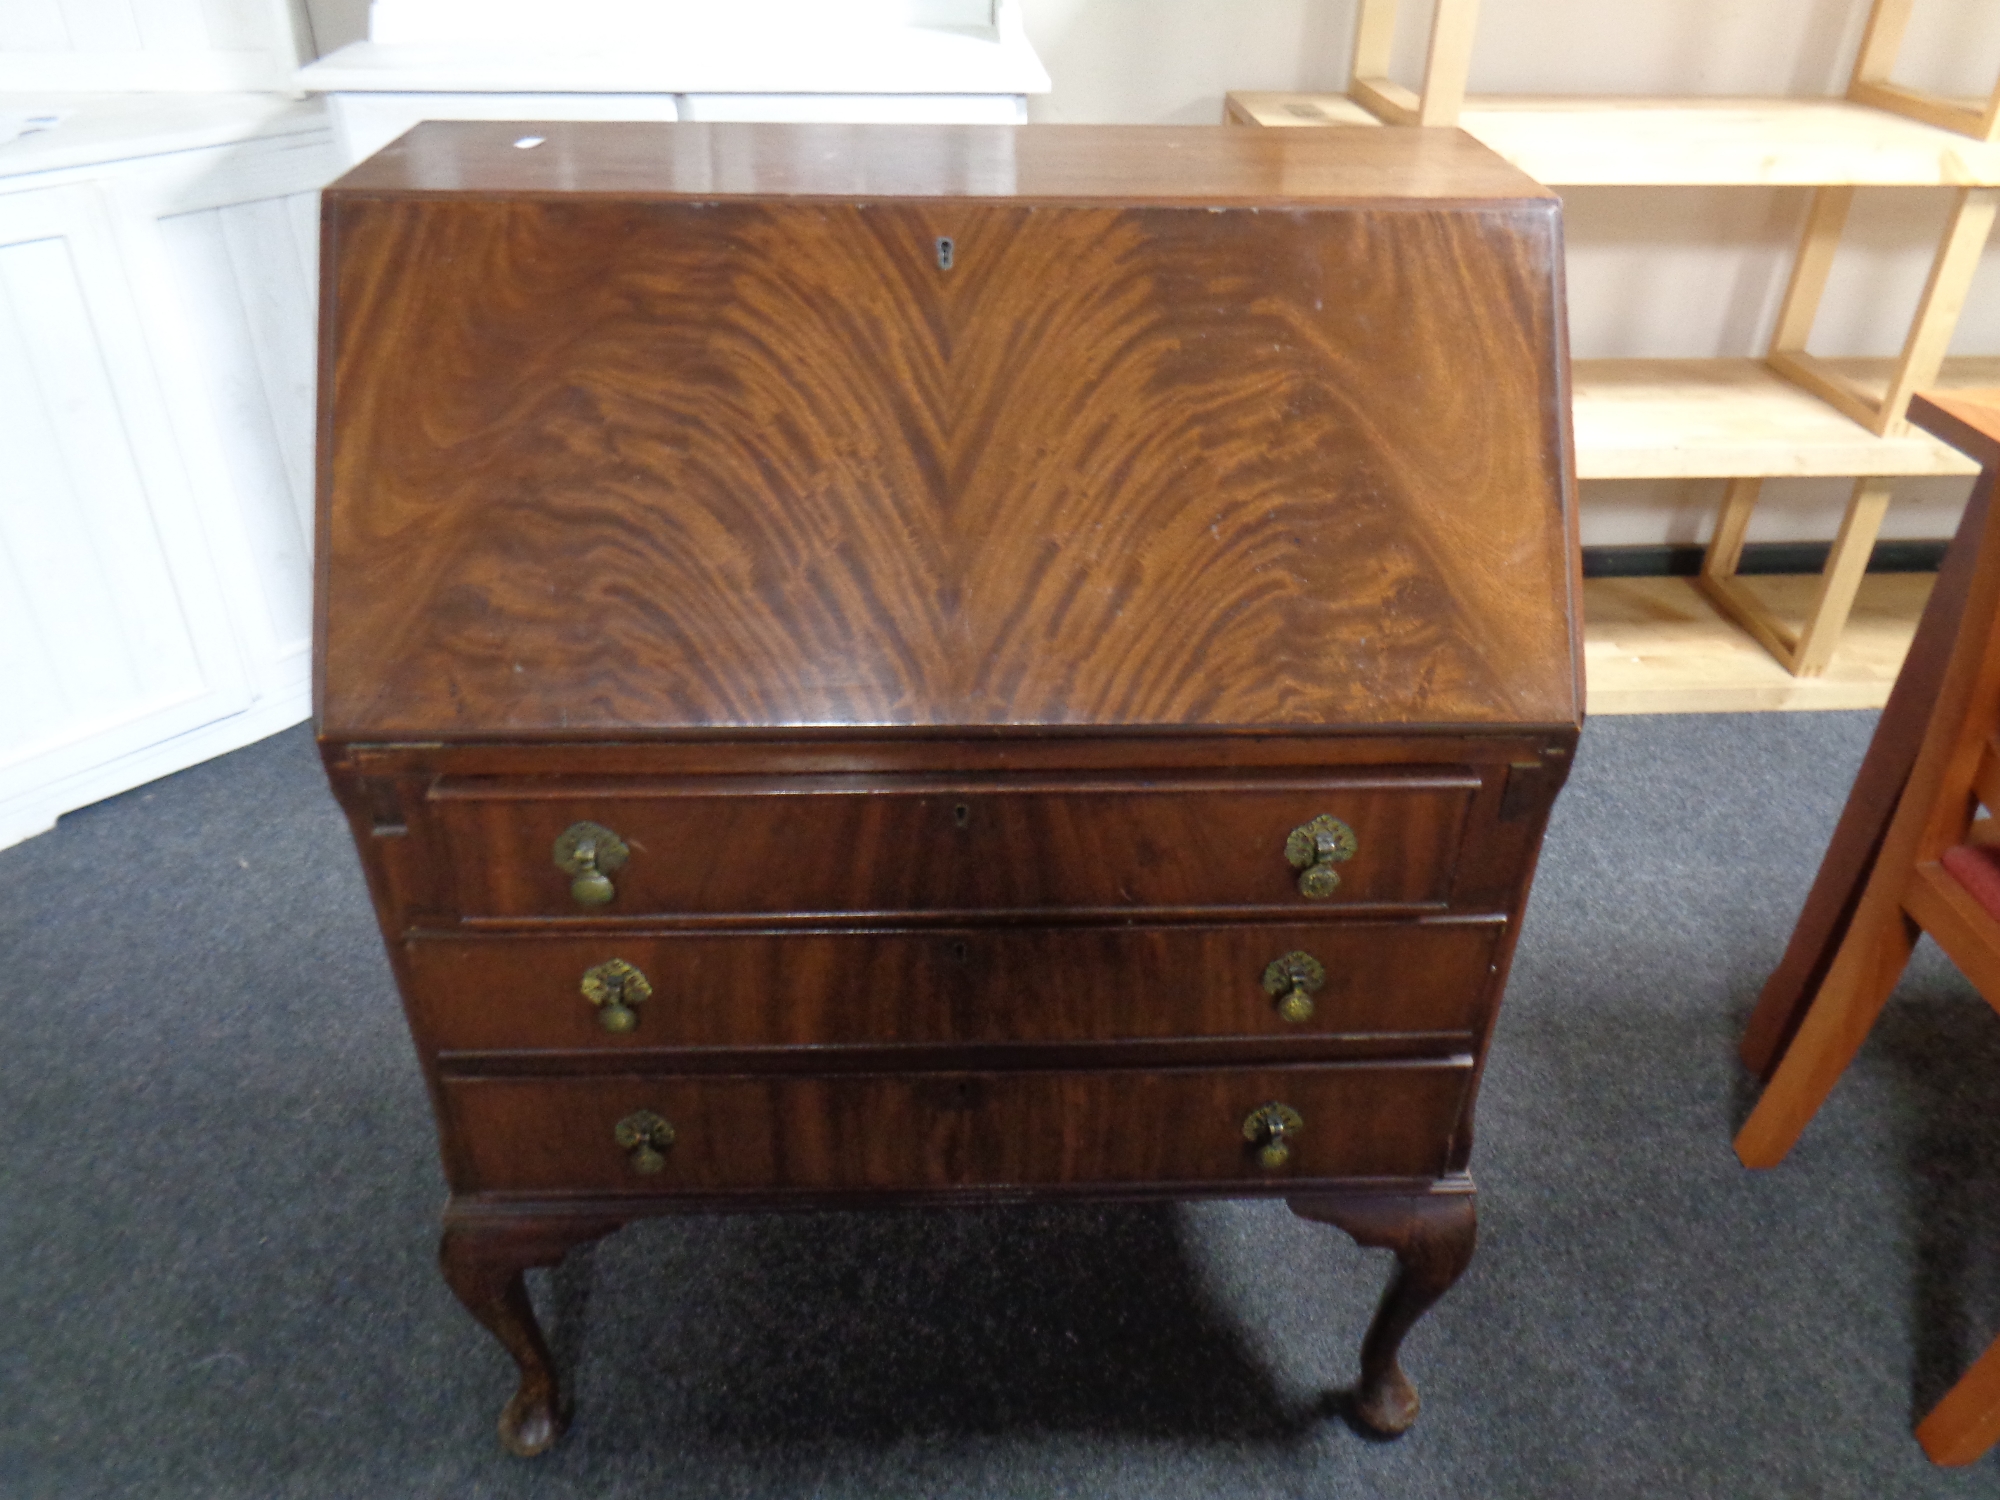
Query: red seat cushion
[{"x": 1977, "y": 869}]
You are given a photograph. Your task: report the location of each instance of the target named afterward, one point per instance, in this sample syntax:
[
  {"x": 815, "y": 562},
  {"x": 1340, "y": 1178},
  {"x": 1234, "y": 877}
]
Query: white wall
[{"x": 1684, "y": 271}]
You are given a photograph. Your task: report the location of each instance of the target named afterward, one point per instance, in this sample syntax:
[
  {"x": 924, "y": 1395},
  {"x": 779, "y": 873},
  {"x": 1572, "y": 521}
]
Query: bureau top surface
[
  {"x": 1046, "y": 163},
  {"x": 940, "y": 427}
]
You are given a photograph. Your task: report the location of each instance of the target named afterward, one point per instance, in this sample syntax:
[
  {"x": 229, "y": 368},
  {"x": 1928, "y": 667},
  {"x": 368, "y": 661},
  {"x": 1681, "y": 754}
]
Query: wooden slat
[
  {"x": 1872, "y": 83},
  {"x": 1374, "y": 38},
  {"x": 1804, "y": 651},
  {"x": 1947, "y": 114},
  {"x": 1811, "y": 266},
  {"x": 1817, "y": 376},
  {"x": 1732, "y": 526},
  {"x": 1845, "y": 565},
  {"x": 1448, "y": 61},
  {"x": 1388, "y": 99},
  {"x": 1952, "y": 270},
  {"x": 1736, "y": 603}
]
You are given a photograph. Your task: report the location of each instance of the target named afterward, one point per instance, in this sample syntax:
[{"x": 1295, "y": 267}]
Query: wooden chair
[{"x": 1937, "y": 870}]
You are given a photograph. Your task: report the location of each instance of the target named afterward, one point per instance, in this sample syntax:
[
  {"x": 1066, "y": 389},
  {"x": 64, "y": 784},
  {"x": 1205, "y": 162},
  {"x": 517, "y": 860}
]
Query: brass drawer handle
[
  {"x": 614, "y": 987},
  {"x": 1292, "y": 981},
  {"x": 646, "y": 1137},
  {"x": 1313, "y": 849},
  {"x": 588, "y": 852},
  {"x": 1271, "y": 1128}
]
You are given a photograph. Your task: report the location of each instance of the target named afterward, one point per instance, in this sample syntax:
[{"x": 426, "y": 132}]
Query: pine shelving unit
[{"x": 1788, "y": 414}]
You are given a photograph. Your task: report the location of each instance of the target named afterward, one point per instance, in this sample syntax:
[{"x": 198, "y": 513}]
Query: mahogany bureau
[{"x": 894, "y": 665}]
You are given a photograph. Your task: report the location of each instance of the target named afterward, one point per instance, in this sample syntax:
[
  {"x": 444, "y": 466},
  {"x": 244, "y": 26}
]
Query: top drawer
[{"x": 715, "y": 846}]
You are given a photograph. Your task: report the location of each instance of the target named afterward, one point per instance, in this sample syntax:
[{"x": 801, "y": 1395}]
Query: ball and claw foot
[
  {"x": 1387, "y": 1407},
  {"x": 1432, "y": 1235},
  {"x": 483, "y": 1266},
  {"x": 532, "y": 1422}
]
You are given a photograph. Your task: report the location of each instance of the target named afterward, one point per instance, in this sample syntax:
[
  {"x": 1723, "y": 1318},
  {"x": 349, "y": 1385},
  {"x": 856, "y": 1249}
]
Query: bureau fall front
[{"x": 877, "y": 665}]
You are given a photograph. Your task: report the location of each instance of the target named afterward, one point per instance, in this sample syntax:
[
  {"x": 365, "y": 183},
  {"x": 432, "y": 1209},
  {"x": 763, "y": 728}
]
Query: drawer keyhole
[{"x": 962, "y": 815}]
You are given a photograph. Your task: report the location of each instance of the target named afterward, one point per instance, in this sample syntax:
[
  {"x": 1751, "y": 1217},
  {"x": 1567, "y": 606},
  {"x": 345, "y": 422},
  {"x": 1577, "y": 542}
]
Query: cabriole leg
[
  {"x": 483, "y": 1265},
  {"x": 1433, "y": 1236}
]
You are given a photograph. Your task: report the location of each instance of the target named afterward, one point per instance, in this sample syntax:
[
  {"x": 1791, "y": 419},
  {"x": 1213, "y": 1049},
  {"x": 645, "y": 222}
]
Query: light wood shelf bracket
[
  {"x": 1872, "y": 84},
  {"x": 1952, "y": 270},
  {"x": 1806, "y": 651},
  {"x": 1446, "y": 63}
]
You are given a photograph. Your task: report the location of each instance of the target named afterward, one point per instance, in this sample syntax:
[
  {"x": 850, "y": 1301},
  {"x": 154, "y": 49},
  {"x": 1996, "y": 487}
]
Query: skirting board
[
  {"x": 1674, "y": 561},
  {"x": 37, "y": 811}
]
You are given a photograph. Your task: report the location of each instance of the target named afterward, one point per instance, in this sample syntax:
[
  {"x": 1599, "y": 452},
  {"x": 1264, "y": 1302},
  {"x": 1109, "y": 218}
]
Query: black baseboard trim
[{"x": 1758, "y": 557}]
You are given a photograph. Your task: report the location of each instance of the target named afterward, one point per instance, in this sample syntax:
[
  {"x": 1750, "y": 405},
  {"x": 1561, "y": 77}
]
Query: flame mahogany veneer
[{"x": 952, "y": 561}]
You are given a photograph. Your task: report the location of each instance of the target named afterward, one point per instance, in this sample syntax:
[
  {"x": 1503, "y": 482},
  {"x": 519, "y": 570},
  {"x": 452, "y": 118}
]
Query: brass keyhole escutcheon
[
  {"x": 588, "y": 852},
  {"x": 1271, "y": 1128},
  {"x": 615, "y": 987},
  {"x": 1292, "y": 981},
  {"x": 1313, "y": 849},
  {"x": 645, "y": 1136}
]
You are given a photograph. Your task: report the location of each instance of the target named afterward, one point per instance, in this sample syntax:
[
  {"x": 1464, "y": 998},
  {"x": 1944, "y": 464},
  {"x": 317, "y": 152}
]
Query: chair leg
[
  {"x": 1871, "y": 960},
  {"x": 1966, "y": 1423}
]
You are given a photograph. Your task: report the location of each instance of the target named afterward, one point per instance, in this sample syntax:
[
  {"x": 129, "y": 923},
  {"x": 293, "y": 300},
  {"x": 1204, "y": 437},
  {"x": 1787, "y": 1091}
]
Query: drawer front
[
  {"x": 972, "y": 985},
  {"x": 857, "y": 1132},
  {"x": 801, "y": 847}
]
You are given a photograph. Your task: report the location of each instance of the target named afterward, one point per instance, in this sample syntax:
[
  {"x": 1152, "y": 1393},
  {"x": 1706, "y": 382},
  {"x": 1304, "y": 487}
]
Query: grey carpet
[{"x": 218, "y": 1199}]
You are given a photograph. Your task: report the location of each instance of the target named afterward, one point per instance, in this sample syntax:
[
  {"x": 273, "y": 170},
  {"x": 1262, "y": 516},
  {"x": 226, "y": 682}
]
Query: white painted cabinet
[
  {"x": 156, "y": 395},
  {"x": 849, "y": 60}
]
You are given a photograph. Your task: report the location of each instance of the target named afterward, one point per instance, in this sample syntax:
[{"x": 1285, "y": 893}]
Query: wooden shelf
[
  {"x": 1293, "y": 109},
  {"x": 1575, "y": 142},
  {"x": 1654, "y": 645},
  {"x": 1730, "y": 418}
]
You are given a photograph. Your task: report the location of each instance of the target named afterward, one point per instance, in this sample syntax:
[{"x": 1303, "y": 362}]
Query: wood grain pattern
[
  {"x": 605, "y": 466},
  {"x": 717, "y": 846},
  {"x": 965, "y": 986},
  {"x": 555, "y": 1136}
]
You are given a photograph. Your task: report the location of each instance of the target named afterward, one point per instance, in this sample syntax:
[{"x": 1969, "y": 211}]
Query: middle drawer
[{"x": 945, "y": 985}]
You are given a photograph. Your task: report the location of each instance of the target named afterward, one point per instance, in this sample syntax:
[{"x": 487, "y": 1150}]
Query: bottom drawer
[{"x": 921, "y": 1130}]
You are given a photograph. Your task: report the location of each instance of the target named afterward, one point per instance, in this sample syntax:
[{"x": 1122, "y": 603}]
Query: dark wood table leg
[
  {"x": 483, "y": 1262},
  {"x": 1433, "y": 1236}
]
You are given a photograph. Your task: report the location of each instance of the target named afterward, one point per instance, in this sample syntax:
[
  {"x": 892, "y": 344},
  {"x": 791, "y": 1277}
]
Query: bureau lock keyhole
[
  {"x": 945, "y": 251},
  {"x": 961, "y": 815}
]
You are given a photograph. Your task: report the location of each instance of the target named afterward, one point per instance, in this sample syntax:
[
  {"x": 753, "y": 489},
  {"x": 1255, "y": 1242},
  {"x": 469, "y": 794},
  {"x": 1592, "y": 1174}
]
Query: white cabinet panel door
[
  {"x": 113, "y": 631},
  {"x": 245, "y": 277}
]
